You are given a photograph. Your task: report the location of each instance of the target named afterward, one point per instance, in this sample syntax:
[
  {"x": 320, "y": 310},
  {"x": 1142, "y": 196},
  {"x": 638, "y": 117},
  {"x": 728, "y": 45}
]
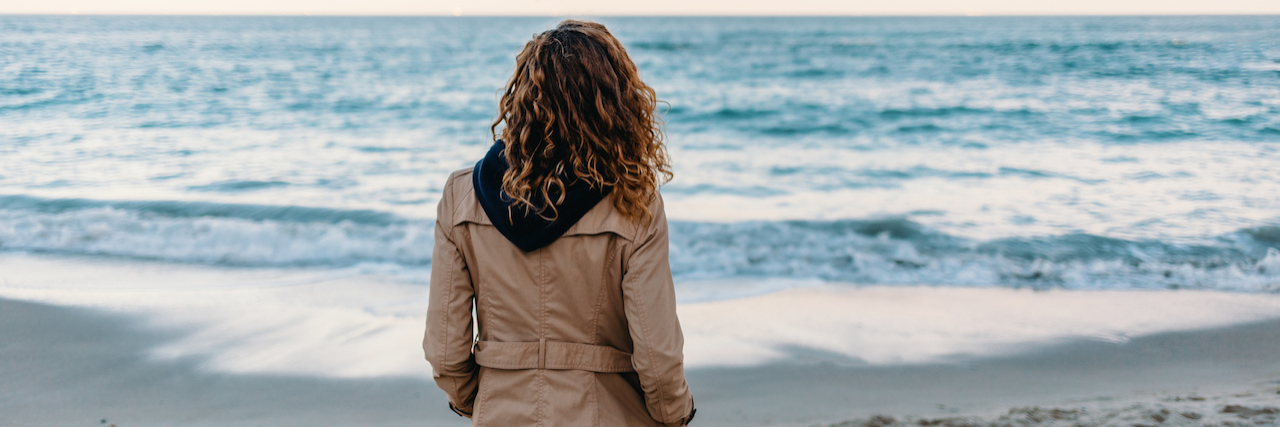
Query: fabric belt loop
[{"x": 542, "y": 353}]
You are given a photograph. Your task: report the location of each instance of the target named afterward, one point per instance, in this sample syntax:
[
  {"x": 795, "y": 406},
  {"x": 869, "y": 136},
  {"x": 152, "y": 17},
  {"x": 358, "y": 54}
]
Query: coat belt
[{"x": 545, "y": 354}]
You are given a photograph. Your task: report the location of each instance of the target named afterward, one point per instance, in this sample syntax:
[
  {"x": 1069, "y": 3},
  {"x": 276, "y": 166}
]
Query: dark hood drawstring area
[{"x": 519, "y": 224}]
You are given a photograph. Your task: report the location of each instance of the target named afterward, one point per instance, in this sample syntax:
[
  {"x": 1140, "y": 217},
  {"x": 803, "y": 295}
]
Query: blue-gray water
[{"x": 1075, "y": 152}]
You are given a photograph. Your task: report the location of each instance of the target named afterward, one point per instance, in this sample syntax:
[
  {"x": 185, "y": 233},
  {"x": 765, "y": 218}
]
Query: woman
[{"x": 558, "y": 240}]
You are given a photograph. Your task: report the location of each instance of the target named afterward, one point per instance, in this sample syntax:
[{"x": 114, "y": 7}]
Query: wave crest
[
  {"x": 871, "y": 251},
  {"x": 212, "y": 233}
]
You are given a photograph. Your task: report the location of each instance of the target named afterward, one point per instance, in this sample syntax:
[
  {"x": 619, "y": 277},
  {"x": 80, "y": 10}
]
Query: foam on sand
[
  {"x": 359, "y": 322},
  {"x": 892, "y": 325},
  {"x": 367, "y": 320}
]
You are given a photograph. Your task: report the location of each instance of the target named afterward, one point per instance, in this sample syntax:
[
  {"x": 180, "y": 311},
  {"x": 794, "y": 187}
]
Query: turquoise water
[{"x": 1046, "y": 152}]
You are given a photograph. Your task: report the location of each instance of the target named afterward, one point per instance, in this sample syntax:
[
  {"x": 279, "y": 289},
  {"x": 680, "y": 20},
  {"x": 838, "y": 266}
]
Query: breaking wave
[{"x": 871, "y": 251}]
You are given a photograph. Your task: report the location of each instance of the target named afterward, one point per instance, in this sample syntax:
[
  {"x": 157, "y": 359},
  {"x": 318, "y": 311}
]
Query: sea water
[{"x": 238, "y": 153}]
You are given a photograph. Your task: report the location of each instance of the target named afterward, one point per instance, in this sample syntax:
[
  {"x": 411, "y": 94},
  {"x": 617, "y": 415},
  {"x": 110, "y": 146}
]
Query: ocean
[{"x": 149, "y": 163}]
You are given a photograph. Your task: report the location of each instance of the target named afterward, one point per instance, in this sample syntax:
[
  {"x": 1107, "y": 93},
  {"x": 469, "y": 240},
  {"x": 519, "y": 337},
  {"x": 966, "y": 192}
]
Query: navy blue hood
[{"x": 520, "y": 225}]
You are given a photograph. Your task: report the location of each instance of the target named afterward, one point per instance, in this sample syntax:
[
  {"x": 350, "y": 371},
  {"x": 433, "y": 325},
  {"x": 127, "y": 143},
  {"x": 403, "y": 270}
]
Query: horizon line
[{"x": 974, "y": 14}]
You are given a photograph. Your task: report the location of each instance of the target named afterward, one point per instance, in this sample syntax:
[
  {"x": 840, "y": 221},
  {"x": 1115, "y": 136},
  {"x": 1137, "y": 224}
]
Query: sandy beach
[
  {"x": 68, "y": 367},
  {"x": 872, "y": 220},
  {"x": 72, "y": 366}
]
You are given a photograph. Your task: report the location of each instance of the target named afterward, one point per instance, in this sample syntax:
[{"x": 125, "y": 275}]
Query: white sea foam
[
  {"x": 888, "y": 250},
  {"x": 276, "y": 239}
]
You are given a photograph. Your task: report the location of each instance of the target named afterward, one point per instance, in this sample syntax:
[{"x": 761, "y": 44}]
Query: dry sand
[{"x": 66, "y": 367}]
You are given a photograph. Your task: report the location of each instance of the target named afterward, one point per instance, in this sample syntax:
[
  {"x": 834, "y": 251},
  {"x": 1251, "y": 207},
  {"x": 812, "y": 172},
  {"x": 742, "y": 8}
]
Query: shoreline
[
  {"x": 77, "y": 366},
  {"x": 72, "y": 366},
  {"x": 1146, "y": 369}
]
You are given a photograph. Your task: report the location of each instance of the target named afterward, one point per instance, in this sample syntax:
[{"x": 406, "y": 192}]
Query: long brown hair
[{"x": 575, "y": 109}]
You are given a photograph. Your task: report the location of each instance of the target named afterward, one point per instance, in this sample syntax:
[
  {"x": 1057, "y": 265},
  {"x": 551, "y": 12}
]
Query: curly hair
[{"x": 575, "y": 109}]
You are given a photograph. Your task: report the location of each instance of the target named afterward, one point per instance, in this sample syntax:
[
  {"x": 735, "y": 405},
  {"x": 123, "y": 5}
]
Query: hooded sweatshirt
[{"x": 520, "y": 224}]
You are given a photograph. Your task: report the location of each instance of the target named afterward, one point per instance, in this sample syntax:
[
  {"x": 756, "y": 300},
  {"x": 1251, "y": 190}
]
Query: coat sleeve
[
  {"x": 448, "y": 339},
  {"x": 650, "y": 305}
]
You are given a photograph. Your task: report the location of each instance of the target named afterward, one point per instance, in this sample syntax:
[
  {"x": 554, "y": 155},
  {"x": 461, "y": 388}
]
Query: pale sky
[{"x": 642, "y": 7}]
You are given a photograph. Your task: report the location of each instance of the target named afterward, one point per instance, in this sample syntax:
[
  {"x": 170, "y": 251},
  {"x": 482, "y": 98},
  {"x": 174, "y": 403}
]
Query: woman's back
[
  {"x": 595, "y": 309},
  {"x": 558, "y": 240}
]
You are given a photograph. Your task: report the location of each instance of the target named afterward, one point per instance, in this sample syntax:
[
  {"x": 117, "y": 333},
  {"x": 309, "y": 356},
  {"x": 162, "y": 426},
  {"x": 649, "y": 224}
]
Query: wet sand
[
  {"x": 70, "y": 366},
  {"x": 1146, "y": 370},
  {"x": 67, "y": 367}
]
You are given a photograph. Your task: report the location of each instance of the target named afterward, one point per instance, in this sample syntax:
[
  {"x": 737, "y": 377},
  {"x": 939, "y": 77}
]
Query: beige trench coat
[{"x": 582, "y": 332}]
